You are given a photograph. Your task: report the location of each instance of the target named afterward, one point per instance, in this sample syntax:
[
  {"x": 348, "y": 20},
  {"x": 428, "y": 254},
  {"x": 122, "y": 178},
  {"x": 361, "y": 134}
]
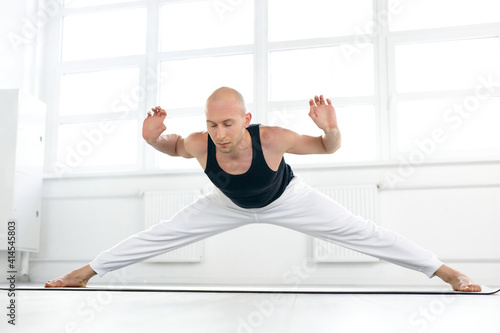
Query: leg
[
  {"x": 305, "y": 209},
  {"x": 205, "y": 217}
]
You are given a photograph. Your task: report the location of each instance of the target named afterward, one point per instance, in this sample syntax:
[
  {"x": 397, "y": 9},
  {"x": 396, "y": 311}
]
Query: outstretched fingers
[
  {"x": 319, "y": 100},
  {"x": 158, "y": 111},
  {"x": 316, "y": 102},
  {"x": 312, "y": 108}
]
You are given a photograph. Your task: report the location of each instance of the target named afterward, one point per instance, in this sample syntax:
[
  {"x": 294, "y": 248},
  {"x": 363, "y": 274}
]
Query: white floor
[{"x": 81, "y": 312}]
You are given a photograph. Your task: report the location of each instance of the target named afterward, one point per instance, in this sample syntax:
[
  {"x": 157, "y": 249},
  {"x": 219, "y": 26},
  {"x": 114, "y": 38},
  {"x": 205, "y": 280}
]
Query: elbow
[
  {"x": 333, "y": 149},
  {"x": 336, "y": 144},
  {"x": 337, "y": 147}
]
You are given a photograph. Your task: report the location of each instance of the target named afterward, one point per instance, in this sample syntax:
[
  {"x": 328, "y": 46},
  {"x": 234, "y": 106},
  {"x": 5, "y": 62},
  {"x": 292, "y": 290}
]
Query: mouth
[{"x": 223, "y": 145}]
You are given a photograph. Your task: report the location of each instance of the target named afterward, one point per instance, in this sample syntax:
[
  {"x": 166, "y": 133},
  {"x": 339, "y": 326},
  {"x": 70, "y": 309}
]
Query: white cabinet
[{"x": 22, "y": 141}]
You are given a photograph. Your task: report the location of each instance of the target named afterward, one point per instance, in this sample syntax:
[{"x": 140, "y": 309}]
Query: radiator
[
  {"x": 361, "y": 200},
  {"x": 162, "y": 206}
]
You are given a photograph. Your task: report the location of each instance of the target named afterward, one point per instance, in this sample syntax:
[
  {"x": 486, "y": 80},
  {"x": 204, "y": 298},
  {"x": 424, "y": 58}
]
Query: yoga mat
[{"x": 485, "y": 290}]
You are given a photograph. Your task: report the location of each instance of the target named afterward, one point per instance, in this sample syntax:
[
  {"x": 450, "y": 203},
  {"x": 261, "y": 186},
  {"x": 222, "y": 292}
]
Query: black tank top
[{"x": 257, "y": 187}]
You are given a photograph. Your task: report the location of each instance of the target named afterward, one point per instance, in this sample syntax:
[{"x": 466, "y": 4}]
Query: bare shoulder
[
  {"x": 282, "y": 140},
  {"x": 276, "y": 137},
  {"x": 196, "y": 143},
  {"x": 273, "y": 132}
]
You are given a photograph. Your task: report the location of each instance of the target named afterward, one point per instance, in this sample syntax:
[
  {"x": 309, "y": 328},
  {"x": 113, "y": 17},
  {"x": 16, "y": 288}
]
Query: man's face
[{"x": 226, "y": 123}]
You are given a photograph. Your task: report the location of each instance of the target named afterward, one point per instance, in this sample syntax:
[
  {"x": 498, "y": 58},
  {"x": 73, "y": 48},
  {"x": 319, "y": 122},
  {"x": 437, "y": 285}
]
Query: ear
[{"x": 248, "y": 119}]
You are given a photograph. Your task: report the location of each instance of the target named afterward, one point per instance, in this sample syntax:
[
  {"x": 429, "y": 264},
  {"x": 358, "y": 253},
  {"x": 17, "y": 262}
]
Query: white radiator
[
  {"x": 162, "y": 206},
  {"x": 361, "y": 200}
]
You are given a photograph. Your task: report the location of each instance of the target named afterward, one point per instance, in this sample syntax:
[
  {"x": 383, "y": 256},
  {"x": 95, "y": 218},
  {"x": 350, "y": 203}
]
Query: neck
[{"x": 240, "y": 149}]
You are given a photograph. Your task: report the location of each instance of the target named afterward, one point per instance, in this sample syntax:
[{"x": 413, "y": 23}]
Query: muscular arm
[
  {"x": 323, "y": 115},
  {"x": 170, "y": 144},
  {"x": 294, "y": 143}
]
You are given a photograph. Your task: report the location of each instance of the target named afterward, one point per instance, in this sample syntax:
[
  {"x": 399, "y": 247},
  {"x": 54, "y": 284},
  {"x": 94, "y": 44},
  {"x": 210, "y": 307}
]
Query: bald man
[{"x": 253, "y": 184}]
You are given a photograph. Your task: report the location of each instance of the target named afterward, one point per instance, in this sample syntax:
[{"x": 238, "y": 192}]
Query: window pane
[
  {"x": 458, "y": 127},
  {"x": 357, "y": 124},
  {"x": 100, "y": 92},
  {"x": 446, "y": 65},
  {"x": 427, "y": 14},
  {"x": 87, "y": 3},
  {"x": 104, "y": 34},
  {"x": 97, "y": 144},
  {"x": 182, "y": 126},
  {"x": 318, "y": 18},
  {"x": 188, "y": 83},
  {"x": 204, "y": 24},
  {"x": 301, "y": 74}
]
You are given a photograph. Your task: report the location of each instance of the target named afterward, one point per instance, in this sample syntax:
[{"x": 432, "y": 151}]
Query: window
[
  {"x": 446, "y": 71},
  {"x": 181, "y": 90},
  {"x": 428, "y": 14},
  {"x": 331, "y": 74},
  {"x": 90, "y": 36},
  {"x": 296, "y": 19},
  {"x": 191, "y": 25},
  {"x": 446, "y": 65},
  {"x": 404, "y": 75},
  {"x": 97, "y": 92}
]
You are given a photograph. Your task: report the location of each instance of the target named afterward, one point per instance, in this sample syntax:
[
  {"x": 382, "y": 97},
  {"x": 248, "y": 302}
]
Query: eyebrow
[{"x": 224, "y": 121}]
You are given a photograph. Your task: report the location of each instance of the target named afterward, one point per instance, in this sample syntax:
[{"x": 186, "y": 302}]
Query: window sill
[{"x": 296, "y": 167}]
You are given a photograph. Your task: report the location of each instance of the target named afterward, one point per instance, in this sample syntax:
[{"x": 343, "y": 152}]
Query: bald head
[
  {"x": 226, "y": 116},
  {"x": 228, "y": 97}
]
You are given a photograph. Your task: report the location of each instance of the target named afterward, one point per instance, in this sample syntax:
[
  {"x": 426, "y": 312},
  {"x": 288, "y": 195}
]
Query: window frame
[
  {"x": 446, "y": 34},
  {"x": 385, "y": 96}
]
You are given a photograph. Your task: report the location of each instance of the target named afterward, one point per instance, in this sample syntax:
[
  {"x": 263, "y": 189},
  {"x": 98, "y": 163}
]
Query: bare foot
[
  {"x": 457, "y": 280},
  {"x": 77, "y": 278}
]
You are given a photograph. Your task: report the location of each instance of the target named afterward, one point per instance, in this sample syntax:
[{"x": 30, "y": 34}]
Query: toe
[
  {"x": 54, "y": 284},
  {"x": 469, "y": 287},
  {"x": 473, "y": 287}
]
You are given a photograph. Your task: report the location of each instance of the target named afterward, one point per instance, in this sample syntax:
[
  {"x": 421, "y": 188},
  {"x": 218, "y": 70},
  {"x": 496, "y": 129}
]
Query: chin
[{"x": 225, "y": 150}]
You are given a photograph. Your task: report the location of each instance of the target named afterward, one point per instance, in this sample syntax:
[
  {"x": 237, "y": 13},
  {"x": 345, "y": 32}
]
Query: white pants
[{"x": 300, "y": 208}]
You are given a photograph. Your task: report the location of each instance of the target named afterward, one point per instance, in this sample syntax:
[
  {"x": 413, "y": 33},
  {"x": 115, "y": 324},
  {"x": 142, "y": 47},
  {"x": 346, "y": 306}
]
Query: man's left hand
[{"x": 323, "y": 114}]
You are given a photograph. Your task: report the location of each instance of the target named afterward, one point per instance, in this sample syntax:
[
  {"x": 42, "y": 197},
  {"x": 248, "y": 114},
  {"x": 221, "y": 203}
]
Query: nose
[{"x": 221, "y": 133}]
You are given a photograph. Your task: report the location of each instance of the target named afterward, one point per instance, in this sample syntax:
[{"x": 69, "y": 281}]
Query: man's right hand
[{"x": 153, "y": 125}]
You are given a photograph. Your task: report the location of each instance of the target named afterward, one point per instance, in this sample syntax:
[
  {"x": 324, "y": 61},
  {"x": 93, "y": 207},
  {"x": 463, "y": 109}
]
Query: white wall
[
  {"x": 17, "y": 60},
  {"x": 450, "y": 209},
  {"x": 11, "y": 64},
  {"x": 20, "y": 39}
]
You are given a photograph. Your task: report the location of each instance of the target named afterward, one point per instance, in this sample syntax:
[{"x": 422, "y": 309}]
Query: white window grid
[{"x": 384, "y": 99}]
